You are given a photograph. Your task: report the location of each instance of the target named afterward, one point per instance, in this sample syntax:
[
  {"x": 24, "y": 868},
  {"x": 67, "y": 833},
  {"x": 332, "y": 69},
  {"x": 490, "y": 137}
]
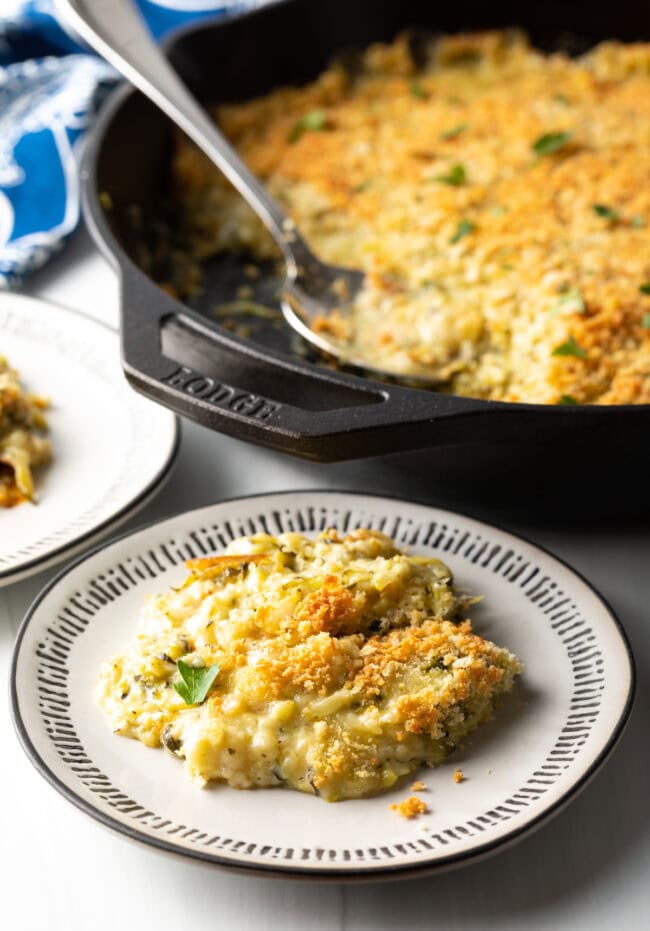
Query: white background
[{"x": 588, "y": 869}]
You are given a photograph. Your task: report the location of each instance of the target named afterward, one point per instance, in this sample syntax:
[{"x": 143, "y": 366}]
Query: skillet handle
[{"x": 200, "y": 370}]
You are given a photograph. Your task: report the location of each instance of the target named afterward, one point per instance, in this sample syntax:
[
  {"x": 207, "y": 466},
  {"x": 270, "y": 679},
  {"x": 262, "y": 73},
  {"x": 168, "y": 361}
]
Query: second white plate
[{"x": 111, "y": 448}]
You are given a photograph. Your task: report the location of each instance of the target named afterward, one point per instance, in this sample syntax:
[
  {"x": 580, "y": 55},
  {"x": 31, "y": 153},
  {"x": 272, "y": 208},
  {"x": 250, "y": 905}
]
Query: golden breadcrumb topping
[
  {"x": 459, "y": 776},
  {"x": 334, "y": 666},
  {"x": 498, "y": 199}
]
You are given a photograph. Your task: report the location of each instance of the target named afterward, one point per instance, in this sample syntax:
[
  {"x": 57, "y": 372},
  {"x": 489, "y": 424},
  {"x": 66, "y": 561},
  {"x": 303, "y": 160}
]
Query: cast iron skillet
[{"x": 260, "y": 389}]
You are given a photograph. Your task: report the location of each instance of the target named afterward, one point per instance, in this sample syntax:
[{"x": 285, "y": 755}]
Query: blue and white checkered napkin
[{"x": 49, "y": 91}]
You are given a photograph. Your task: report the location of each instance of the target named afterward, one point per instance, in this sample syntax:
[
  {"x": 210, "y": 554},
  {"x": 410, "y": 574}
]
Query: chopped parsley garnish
[
  {"x": 454, "y": 131},
  {"x": 570, "y": 348},
  {"x": 645, "y": 287},
  {"x": 464, "y": 228},
  {"x": 638, "y": 222},
  {"x": 551, "y": 142},
  {"x": 455, "y": 176},
  {"x": 195, "y": 682},
  {"x": 571, "y": 300},
  {"x": 645, "y": 321},
  {"x": 418, "y": 91},
  {"x": 314, "y": 121},
  {"x": 607, "y": 213},
  {"x": 567, "y": 399}
]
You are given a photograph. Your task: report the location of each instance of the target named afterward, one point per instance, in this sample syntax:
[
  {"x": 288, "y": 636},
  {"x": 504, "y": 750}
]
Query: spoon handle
[{"x": 117, "y": 31}]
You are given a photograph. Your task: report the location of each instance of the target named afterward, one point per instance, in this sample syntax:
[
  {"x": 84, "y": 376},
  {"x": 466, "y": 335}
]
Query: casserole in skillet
[
  {"x": 259, "y": 386},
  {"x": 497, "y": 198}
]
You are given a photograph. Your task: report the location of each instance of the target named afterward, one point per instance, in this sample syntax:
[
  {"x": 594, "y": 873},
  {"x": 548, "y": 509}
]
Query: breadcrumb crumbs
[
  {"x": 411, "y": 807},
  {"x": 459, "y": 776},
  {"x": 418, "y": 786}
]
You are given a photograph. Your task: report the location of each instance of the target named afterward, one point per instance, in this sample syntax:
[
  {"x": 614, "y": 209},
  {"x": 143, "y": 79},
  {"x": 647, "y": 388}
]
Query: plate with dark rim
[
  {"x": 550, "y": 736},
  {"x": 111, "y": 448}
]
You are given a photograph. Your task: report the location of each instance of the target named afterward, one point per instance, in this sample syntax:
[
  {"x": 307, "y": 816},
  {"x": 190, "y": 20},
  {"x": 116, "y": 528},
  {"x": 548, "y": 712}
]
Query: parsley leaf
[
  {"x": 418, "y": 91},
  {"x": 464, "y": 228},
  {"x": 572, "y": 301},
  {"x": 195, "y": 682},
  {"x": 551, "y": 142},
  {"x": 645, "y": 287},
  {"x": 567, "y": 399},
  {"x": 314, "y": 121},
  {"x": 645, "y": 321},
  {"x": 607, "y": 213},
  {"x": 454, "y": 131},
  {"x": 455, "y": 176},
  {"x": 570, "y": 348}
]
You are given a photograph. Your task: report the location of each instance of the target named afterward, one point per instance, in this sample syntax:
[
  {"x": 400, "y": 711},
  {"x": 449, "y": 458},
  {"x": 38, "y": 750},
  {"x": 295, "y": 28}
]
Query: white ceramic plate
[
  {"x": 111, "y": 448},
  {"x": 544, "y": 744}
]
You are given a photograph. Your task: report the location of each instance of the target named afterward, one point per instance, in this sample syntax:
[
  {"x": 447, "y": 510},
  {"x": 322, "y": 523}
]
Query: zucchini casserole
[
  {"x": 497, "y": 198},
  {"x": 22, "y": 445},
  {"x": 333, "y": 666}
]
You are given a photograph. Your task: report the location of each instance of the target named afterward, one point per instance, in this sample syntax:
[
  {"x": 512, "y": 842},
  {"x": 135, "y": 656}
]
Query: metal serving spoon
[{"x": 116, "y": 30}]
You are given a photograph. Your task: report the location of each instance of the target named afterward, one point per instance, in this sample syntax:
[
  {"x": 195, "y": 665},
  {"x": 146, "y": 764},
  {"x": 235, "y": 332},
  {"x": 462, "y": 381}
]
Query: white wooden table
[{"x": 589, "y": 869}]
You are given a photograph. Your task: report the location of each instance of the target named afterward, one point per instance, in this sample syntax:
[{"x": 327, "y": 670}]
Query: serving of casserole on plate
[
  {"x": 497, "y": 197},
  {"x": 333, "y": 666},
  {"x": 23, "y": 445}
]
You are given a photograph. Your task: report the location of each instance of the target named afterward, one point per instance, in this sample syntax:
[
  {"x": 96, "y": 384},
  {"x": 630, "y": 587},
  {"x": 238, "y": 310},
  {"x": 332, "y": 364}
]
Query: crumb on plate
[{"x": 411, "y": 807}]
